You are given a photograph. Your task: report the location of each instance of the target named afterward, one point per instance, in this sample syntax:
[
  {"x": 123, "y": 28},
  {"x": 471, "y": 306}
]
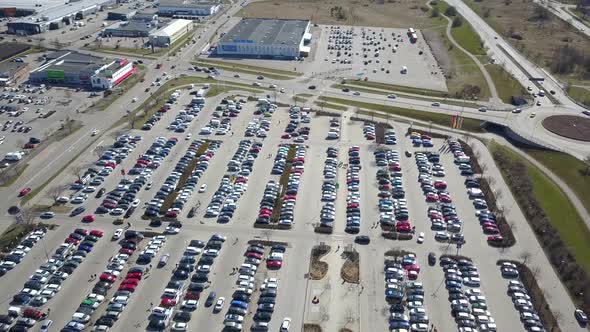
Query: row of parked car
[
  {"x": 122, "y": 199},
  {"x": 403, "y": 292},
  {"x": 419, "y": 140},
  {"x": 183, "y": 119},
  {"x": 267, "y": 203},
  {"x": 353, "y": 198},
  {"x": 334, "y": 131},
  {"x": 393, "y": 211},
  {"x": 258, "y": 127},
  {"x": 151, "y": 122},
  {"x": 280, "y": 160},
  {"x": 389, "y": 137},
  {"x": 329, "y": 191},
  {"x": 521, "y": 299},
  {"x": 233, "y": 184},
  {"x": 468, "y": 304},
  {"x": 293, "y": 130},
  {"x": 154, "y": 156},
  {"x": 369, "y": 131},
  {"x": 19, "y": 252},
  {"x": 162, "y": 314},
  {"x": 287, "y": 212}
]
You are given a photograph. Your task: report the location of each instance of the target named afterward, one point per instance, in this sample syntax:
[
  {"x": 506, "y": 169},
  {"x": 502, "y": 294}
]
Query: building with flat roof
[
  {"x": 131, "y": 29},
  {"x": 43, "y": 15},
  {"x": 170, "y": 33},
  {"x": 120, "y": 14},
  {"x": 12, "y": 72},
  {"x": 265, "y": 38},
  {"x": 187, "y": 8},
  {"x": 82, "y": 70}
]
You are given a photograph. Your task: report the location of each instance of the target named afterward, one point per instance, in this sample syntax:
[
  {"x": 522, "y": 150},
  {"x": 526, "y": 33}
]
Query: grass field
[
  {"x": 390, "y": 14},
  {"x": 560, "y": 212},
  {"x": 247, "y": 67},
  {"x": 581, "y": 95},
  {"x": 240, "y": 69},
  {"x": 505, "y": 84},
  {"x": 539, "y": 38},
  {"x": 398, "y": 88},
  {"x": 469, "y": 124},
  {"x": 464, "y": 34},
  {"x": 323, "y": 104},
  {"x": 569, "y": 169}
]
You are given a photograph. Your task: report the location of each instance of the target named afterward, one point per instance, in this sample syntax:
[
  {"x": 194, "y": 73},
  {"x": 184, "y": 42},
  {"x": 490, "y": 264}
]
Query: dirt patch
[
  {"x": 344, "y": 330},
  {"x": 570, "y": 126},
  {"x": 317, "y": 268},
  {"x": 350, "y": 269},
  {"x": 311, "y": 328},
  {"x": 438, "y": 49},
  {"x": 380, "y": 13}
]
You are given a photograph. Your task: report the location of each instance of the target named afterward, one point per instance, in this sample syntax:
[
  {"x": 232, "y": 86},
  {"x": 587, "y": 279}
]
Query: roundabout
[{"x": 570, "y": 126}]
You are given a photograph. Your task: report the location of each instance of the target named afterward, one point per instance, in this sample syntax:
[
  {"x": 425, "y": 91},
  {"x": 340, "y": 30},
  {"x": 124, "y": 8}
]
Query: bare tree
[
  {"x": 68, "y": 124},
  {"x": 26, "y": 216},
  {"x": 55, "y": 192},
  {"x": 99, "y": 150},
  {"x": 132, "y": 118},
  {"x": 77, "y": 170},
  {"x": 525, "y": 255},
  {"x": 558, "y": 317},
  {"x": 268, "y": 234}
]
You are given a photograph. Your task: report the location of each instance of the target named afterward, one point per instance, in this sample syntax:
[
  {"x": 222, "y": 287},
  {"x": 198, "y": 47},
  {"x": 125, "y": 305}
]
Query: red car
[
  {"x": 412, "y": 275},
  {"x": 167, "y": 303},
  {"x": 440, "y": 185},
  {"x": 88, "y": 218},
  {"x": 130, "y": 281},
  {"x": 255, "y": 255},
  {"x": 413, "y": 267},
  {"x": 72, "y": 240},
  {"x": 32, "y": 313},
  {"x": 127, "y": 287},
  {"x": 24, "y": 191},
  {"x": 97, "y": 233},
  {"x": 432, "y": 197},
  {"x": 445, "y": 199},
  {"x": 171, "y": 214},
  {"x": 274, "y": 264},
  {"x": 108, "y": 277},
  {"x": 403, "y": 228},
  {"x": 133, "y": 275},
  {"x": 192, "y": 295},
  {"x": 126, "y": 251}
]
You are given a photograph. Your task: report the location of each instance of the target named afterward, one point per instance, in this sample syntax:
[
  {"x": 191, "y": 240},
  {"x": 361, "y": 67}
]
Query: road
[{"x": 561, "y": 11}]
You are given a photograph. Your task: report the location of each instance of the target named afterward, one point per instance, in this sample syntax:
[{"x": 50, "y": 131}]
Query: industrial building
[
  {"x": 130, "y": 29},
  {"x": 81, "y": 70},
  {"x": 171, "y": 33},
  {"x": 120, "y": 14},
  {"x": 187, "y": 8},
  {"x": 266, "y": 38},
  {"x": 12, "y": 72},
  {"x": 43, "y": 15},
  {"x": 145, "y": 16}
]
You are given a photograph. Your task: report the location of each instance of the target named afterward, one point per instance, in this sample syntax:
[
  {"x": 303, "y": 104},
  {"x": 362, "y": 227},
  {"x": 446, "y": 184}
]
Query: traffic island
[{"x": 570, "y": 126}]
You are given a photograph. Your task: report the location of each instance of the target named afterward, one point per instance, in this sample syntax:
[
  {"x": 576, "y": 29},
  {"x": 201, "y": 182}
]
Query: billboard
[{"x": 55, "y": 75}]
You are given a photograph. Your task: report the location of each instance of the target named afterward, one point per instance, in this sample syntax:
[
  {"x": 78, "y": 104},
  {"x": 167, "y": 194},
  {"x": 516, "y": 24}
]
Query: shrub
[
  {"x": 457, "y": 22},
  {"x": 451, "y": 11}
]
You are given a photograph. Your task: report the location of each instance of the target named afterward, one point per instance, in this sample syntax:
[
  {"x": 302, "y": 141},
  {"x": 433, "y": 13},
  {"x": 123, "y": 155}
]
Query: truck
[{"x": 201, "y": 93}]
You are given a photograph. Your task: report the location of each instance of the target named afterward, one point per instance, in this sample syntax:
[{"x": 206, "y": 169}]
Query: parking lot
[{"x": 225, "y": 181}]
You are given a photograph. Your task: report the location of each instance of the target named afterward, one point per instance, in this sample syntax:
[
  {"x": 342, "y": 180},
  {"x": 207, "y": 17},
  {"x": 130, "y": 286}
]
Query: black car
[
  {"x": 77, "y": 211},
  {"x": 362, "y": 239},
  {"x": 182, "y": 316},
  {"x": 312, "y": 87},
  {"x": 262, "y": 316},
  {"x": 180, "y": 275},
  {"x": 107, "y": 321},
  {"x": 155, "y": 223},
  {"x": 431, "y": 259},
  {"x": 210, "y": 299}
]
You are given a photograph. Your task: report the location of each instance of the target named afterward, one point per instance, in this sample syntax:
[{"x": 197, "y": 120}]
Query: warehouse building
[
  {"x": 145, "y": 16},
  {"x": 266, "y": 38},
  {"x": 170, "y": 33},
  {"x": 46, "y": 15},
  {"x": 12, "y": 72},
  {"x": 130, "y": 29},
  {"x": 120, "y": 14},
  {"x": 187, "y": 8},
  {"x": 81, "y": 70}
]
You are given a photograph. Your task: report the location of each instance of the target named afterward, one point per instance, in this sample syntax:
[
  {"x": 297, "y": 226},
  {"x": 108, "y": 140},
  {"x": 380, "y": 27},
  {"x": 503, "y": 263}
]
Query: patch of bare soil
[
  {"x": 350, "y": 269},
  {"x": 317, "y": 268}
]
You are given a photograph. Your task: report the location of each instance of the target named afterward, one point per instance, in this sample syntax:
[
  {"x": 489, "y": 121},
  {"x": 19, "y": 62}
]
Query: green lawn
[
  {"x": 569, "y": 169},
  {"x": 262, "y": 70},
  {"x": 580, "y": 95},
  {"x": 467, "y": 38},
  {"x": 332, "y": 106},
  {"x": 558, "y": 209},
  {"x": 469, "y": 124},
  {"x": 380, "y": 92},
  {"x": 505, "y": 84},
  {"x": 398, "y": 88},
  {"x": 217, "y": 89},
  {"x": 239, "y": 69}
]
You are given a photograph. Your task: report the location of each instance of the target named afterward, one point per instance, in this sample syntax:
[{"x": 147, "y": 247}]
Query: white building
[
  {"x": 171, "y": 33},
  {"x": 266, "y": 38},
  {"x": 187, "y": 8}
]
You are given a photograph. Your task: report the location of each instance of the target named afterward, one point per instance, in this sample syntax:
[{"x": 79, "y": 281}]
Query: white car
[
  {"x": 285, "y": 325},
  {"x": 172, "y": 230},
  {"x": 219, "y": 304},
  {"x": 117, "y": 234},
  {"x": 203, "y": 188},
  {"x": 421, "y": 237},
  {"x": 94, "y": 132}
]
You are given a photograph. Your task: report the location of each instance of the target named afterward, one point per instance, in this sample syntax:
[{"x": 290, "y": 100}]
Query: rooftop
[
  {"x": 266, "y": 31},
  {"x": 187, "y": 3},
  {"x": 132, "y": 26},
  {"x": 71, "y": 61},
  {"x": 171, "y": 28},
  {"x": 50, "y": 10}
]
